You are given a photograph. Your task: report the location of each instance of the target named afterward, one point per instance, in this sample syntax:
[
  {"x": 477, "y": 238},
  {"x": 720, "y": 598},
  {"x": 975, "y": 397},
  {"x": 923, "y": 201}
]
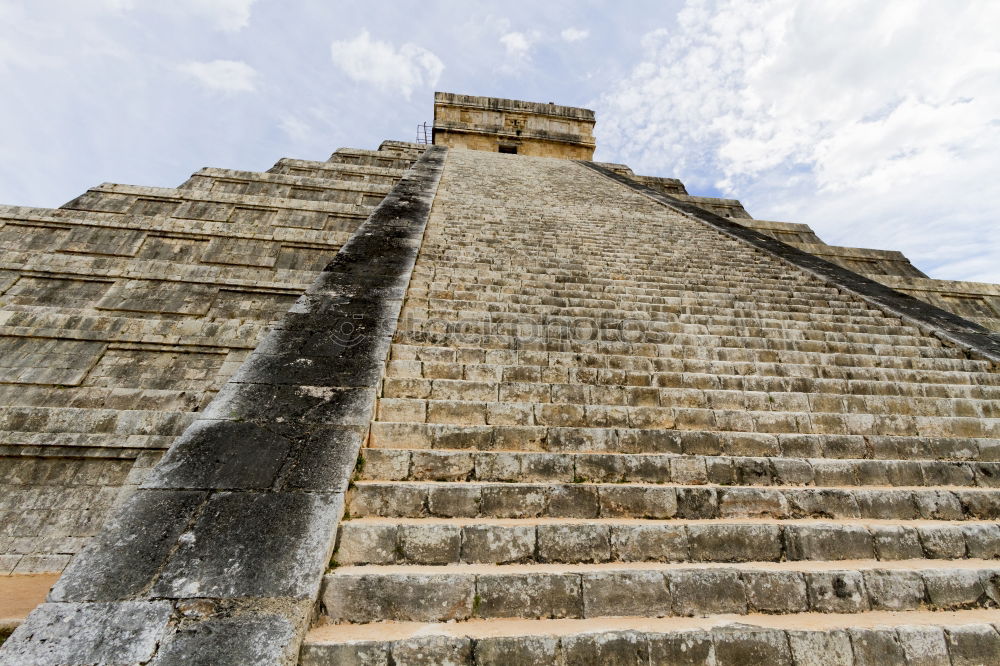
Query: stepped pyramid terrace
[{"x": 486, "y": 401}]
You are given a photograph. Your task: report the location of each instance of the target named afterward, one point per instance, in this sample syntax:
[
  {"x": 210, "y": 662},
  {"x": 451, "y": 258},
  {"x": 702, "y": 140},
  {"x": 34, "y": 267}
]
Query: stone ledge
[
  {"x": 498, "y": 104},
  {"x": 335, "y": 168},
  {"x": 868, "y": 639},
  {"x": 213, "y": 174},
  {"x": 58, "y": 219}
]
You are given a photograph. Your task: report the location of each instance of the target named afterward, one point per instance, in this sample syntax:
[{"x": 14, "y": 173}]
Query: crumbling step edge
[{"x": 876, "y": 638}]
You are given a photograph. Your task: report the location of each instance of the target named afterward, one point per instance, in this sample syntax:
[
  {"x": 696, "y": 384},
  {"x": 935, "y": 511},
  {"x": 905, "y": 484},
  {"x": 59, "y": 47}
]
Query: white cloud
[
  {"x": 296, "y": 128},
  {"x": 116, "y": 5},
  {"x": 574, "y": 34},
  {"x": 383, "y": 65},
  {"x": 516, "y": 43},
  {"x": 225, "y": 15},
  {"x": 518, "y": 46},
  {"x": 31, "y": 40},
  {"x": 228, "y": 76},
  {"x": 21, "y": 32},
  {"x": 876, "y": 123}
]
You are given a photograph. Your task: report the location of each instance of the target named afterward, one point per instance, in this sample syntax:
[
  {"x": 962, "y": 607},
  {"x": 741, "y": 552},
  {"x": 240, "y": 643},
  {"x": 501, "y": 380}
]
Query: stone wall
[
  {"x": 218, "y": 557},
  {"x": 124, "y": 311},
  {"x": 533, "y": 148},
  {"x": 506, "y": 125},
  {"x": 977, "y": 301}
]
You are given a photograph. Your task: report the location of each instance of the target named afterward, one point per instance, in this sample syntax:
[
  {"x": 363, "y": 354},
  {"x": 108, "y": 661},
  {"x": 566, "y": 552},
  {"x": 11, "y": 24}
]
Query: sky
[{"x": 876, "y": 122}]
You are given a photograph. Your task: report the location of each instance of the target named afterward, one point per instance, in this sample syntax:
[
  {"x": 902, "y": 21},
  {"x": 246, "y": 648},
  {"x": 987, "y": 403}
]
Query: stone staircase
[{"x": 610, "y": 434}]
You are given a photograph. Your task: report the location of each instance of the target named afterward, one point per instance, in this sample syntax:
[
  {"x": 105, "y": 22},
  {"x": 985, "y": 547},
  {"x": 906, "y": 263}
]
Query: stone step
[
  {"x": 353, "y": 172},
  {"x": 123, "y": 422},
  {"x": 559, "y": 250},
  {"x": 591, "y": 368},
  {"x": 333, "y": 229},
  {"x": 664, "y": 308},
  {"x": 622, "y": 327},
  {"x": 198, "y": 204},
  {"x": 687, "y": 308},
  {"x": 369, "y": 158},
  {"x": 469, "y": 413},
  {"x": 561, "y": 385},
  {"x": 719, "y": 301},
  {"x": 429, "y": 541},
  {"x": 285, "y": 186},
  {"x": 559, "y": 276},
  {"x": 539, "y": 591},
  {"x": 311, "y": 189},
  {"x": 623, "y": 268},
  {"x": 530, "y": 284},
  {"x": 663, "y": 289},
  {"x": 635, "y": 314},
  {"x": 871, "y": 638},
  {"x": 273, "y": 278},
  {"x": 636, "y": 325},
  {"x": 724, "y": 302},
  {"x": 276, "y": 277},
  {"x": 563, "y": 254},
  {"x": 510, "y": 466},
  {"x": 598, "y": 353},
  {"x": 97, "y": 397},
  {"x": 21, "y": 442},
  {"x": 197, "y": 208},
  {"x": 512, "y": 394},
  {"x": 412, "y": 499},
  {"x": 550, "y": 282},
  {"x": 627, "y": 265},
  {"x": 451, "y": 335},
  {"x": 554, "y": 239},
  {"x": 689, "y": 442},
  {"x": 215, "y": 334},
  {"x": 647, "y": 290}
]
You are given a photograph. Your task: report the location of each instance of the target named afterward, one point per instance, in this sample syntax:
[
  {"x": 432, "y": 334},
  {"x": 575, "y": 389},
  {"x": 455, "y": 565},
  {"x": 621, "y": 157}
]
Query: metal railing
[{"x": 425, "y": 133}]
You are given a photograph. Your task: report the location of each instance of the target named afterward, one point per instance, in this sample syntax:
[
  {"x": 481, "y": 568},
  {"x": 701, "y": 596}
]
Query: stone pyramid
[{"x": 488, "y": 402}]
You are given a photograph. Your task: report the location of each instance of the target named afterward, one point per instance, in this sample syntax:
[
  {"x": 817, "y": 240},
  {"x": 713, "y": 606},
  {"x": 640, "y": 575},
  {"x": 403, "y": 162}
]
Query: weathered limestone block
[
  {"x": 528, "y": 595},
  {"x": 517, "y": 651},
  {"x": 642, "y": 593},
  {"x": 707, "y": 591},
  {"x": 489, "y": 544},
  {"x": 622, "y": 647}
]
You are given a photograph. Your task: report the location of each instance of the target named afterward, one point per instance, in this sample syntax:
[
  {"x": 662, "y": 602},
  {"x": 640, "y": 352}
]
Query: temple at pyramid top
[{"x": 513, "y": 126}]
